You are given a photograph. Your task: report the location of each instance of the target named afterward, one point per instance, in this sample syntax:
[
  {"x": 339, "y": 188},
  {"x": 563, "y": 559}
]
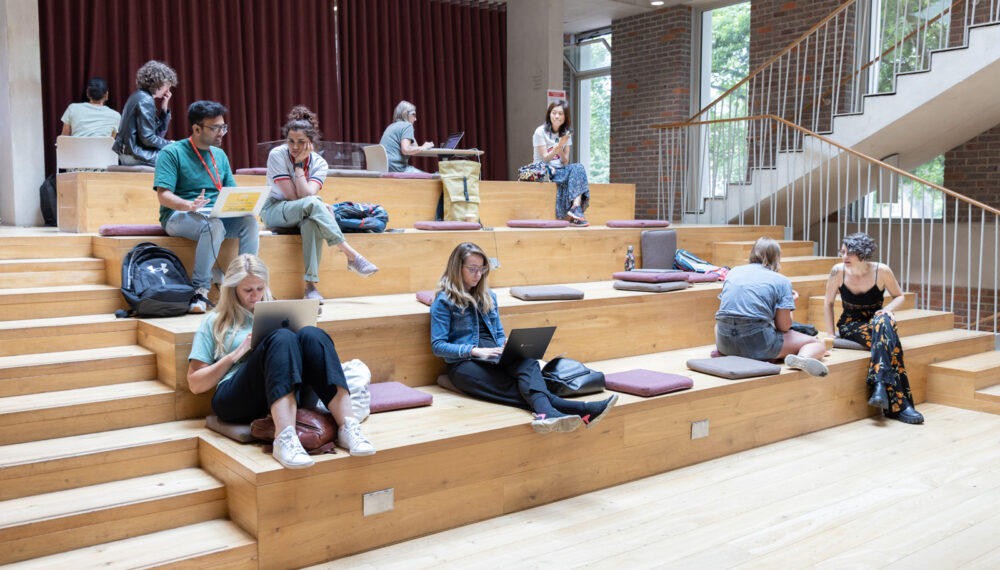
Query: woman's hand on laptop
[
  {"x": 241, "y": 350},
  {"x": 486, "y": 353}
]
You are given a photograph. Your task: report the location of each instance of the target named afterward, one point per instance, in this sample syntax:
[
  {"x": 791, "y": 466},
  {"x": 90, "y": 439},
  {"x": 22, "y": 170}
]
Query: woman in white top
[
  {"x": 295, "y": 174},
  {"x": 551, "y": 143},
  {"x": 93, "y": 118}
]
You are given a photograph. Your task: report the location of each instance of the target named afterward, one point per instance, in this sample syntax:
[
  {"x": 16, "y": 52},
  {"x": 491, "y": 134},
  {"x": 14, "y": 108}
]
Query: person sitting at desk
[
  {"x": 252, "y": 383},
  {"x": 143, "y": 126},
  {"x": 93, "y": 118},
  {"x": 190, "y": 173},
  {"x": 295, "y": 174},
  {"x": 465, "y": 325},
  {"x": 398, "y": 139}
]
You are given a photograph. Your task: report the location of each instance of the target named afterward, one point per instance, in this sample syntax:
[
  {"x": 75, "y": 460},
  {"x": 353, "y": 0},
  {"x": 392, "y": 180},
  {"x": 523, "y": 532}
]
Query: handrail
[
  {"x": 853, "y": 152},
  {"x": 788, "y": 49}
]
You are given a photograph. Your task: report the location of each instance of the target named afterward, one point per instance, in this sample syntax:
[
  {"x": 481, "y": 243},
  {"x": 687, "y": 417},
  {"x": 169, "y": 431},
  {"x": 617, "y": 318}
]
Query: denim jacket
[{"x": 455, "y": 332}]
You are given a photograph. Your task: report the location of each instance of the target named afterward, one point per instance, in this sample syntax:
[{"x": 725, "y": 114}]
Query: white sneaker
[
  {"x": 812, "y": 366},
  {"x": 198, "y": 303},
  {"x": 289, "y": 452},
  {"x": 349, "y": 437},
  {"x": 361, "y": 266}
]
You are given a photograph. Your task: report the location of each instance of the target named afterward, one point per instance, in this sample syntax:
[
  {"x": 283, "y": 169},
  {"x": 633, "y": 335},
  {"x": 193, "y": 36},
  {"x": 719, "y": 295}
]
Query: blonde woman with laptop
[{"x": 249, "y": 384}]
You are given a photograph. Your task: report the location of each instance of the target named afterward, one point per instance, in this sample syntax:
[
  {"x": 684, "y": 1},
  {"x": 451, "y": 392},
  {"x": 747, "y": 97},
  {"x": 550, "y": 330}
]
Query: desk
[{"x": 446, "y": 152}]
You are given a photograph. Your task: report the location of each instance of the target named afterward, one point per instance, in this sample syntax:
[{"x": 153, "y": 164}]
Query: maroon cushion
[
  {"x": 387, "y": 396},
  {"x": 637, "y": 223},
  {"x": 132, "y": 230},
  {"x": 425, "y": 297},
  {"x": 651, "y": 276},
  {"x": 256, "y": 170},
  {"x": 439, "y": 225},
  {"x": 695, "y": 277},
  {"x": 537, "y": 223},
  {"x": 422, "y": 175},
  {"x": 646, "y": 383}
]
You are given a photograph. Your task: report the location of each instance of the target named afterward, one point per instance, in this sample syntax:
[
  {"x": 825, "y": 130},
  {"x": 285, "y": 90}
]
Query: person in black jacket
[{"x": 144, "y": 126}]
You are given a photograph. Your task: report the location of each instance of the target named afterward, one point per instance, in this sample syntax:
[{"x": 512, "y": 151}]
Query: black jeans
[
  {"x": 282, "y": 364},
  {"x": 516, "y": 384}
]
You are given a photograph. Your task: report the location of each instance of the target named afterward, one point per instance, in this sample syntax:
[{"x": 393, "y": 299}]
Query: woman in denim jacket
[{"x": 465, "y": 325}]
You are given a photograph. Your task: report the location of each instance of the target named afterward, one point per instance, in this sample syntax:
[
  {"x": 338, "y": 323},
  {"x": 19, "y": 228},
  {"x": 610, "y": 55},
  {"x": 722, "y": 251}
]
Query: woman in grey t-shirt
[{"x": 399, "y": 141}]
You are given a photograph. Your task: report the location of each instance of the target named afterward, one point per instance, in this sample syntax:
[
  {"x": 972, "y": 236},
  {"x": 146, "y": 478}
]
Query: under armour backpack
[
  {"x": 155, "y": 283},
  {"x": 360, "y": 217}
]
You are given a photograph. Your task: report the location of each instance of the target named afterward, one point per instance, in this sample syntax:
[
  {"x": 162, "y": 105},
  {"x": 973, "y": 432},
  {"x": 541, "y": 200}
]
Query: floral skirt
[
  {"x": 878, "y": 332},
  {"x": 571, "y": 181}
]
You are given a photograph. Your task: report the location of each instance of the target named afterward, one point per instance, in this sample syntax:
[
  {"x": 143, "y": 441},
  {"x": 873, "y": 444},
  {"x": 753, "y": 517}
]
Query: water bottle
[{"x": 629, "y": 260}]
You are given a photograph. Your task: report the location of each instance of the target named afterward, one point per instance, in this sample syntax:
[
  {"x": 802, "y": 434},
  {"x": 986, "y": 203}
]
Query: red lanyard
[
  {"x": 305, "y": 163},
  {"x": 216, "y": 178}
]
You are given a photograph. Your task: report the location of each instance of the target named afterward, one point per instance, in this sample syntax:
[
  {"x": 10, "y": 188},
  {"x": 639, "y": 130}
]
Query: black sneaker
[{"x": 907, "y": 415}]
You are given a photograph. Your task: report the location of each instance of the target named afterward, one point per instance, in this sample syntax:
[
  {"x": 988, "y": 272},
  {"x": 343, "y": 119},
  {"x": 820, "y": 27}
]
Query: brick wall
[
  {"x": 650, "y": 84},
  {"x": 973, "y": 170}
]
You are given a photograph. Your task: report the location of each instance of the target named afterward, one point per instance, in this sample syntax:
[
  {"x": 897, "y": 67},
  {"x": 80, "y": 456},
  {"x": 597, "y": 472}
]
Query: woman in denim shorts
[{"x": 755, "y": 314}]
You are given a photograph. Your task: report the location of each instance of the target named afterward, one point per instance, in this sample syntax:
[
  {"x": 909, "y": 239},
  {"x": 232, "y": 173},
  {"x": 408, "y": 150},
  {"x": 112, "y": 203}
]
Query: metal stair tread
[
  {"x": 68, "y": 356},
  {"x": 82, "y": 396},
  {"x": 82, "y": 500}
]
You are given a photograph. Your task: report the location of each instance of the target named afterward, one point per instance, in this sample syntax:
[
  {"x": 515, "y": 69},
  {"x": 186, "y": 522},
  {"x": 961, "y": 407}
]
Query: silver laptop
[
  {"x": 269, "y": 316},
  {"x": 235, "y": 201},
  {"x": 451, "y": 143},
  {"x": 523, "y": 344}
]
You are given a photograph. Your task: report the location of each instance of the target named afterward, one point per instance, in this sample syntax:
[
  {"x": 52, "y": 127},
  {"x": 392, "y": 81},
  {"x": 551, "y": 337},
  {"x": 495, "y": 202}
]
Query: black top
[
  {"x": 871, "y": 297},
  {"x": 485, "y": 338}
]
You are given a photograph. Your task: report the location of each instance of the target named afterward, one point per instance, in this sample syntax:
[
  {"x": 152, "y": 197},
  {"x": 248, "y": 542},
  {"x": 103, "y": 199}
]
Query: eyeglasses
[
  {"x": 223, "y": 128},
  {"x": 480, "y": 269}
]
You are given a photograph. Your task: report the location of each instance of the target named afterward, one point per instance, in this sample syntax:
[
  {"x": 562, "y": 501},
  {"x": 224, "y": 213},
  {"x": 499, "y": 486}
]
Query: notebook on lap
[{"x": 235, "y": 201}]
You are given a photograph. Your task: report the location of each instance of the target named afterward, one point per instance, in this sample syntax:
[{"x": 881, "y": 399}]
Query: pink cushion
[
  {"x": 637, "y": 223},
  {"x": 256, "y": 170},
  {"x": 425, "y": 297},
  {"x": 439, "y": 225},
  {"x": 537, "y": 223},
  {"x": 646, "y": 383},
  {"x": 421, "y": 175},
  {"x": 651, "y": 276},
  {"x": 702, "y": 277},
  {"x": 387, "y": 396},
  {"x": 131, "y": 230}
]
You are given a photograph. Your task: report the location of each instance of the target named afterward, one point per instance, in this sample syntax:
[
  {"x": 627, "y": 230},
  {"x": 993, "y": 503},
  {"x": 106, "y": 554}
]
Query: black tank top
[{"x": 870, "y": 298}]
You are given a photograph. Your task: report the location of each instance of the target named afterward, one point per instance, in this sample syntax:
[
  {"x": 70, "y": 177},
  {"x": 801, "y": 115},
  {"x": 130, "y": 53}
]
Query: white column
[
  {"x": 534, "y": 65},
  {"x": 22, "y": 160}
]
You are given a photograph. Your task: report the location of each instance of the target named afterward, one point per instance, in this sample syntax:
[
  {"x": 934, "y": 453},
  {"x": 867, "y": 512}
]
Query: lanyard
[
  {"x": 216, "y": 178},
  {"x": 305, "y": 163}
]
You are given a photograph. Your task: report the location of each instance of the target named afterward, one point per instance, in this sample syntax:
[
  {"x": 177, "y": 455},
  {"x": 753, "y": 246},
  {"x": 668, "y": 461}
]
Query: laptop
[
  {"x": 523, "y": 344},
  {"x": 269, "y": 316},
  {"x": 235, "y": 201},
  {"x": 452, "y": 142}
]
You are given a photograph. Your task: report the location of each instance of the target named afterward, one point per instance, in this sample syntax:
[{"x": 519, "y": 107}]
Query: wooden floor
[{"x": 870, "y": 494}]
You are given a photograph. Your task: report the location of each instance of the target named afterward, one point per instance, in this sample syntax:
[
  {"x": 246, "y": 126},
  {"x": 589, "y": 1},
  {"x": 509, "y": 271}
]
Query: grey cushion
[
  {"x": 545, "y": 293},
  {"x": 733, "y": 367},
  {"x": 658, "y": 248},
  {"x": 647, "y": 276},
  {"x": 848, "y": 344},
  {"x": 238, "y": 432},
  {"x": 651, "y": 287},
  {"x": 348, "y": 173},
  {"x": 125, "y": 168}
]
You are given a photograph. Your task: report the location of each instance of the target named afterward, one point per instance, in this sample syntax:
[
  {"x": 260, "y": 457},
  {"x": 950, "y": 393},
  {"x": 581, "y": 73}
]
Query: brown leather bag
[{"x": 316, "y": 430}]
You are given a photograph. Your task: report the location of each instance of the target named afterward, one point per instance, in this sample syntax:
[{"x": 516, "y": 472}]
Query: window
[
  {"x": 910, "y": 199},
  {"x": 589, "y": 60}
]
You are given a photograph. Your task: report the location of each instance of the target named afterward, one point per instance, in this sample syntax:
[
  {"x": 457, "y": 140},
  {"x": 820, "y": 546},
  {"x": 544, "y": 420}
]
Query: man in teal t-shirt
[{"x": 189, "y": 174}]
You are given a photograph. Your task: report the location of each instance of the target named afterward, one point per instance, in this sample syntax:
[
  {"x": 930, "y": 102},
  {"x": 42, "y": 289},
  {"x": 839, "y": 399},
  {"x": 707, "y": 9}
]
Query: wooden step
[
  {"x": 36, "y": 243},
  {"x": 816, "y": 317},
  {"x": 84, "y": 410},
  {"x": 36, "y": 467},
  {"x": 733, "y": 253},
  {"x": 23, "y": 273},
  {"x": 990, "y": 394},
  {"x": 61, "y": 301},
  {"x": 78, "y": 332},
  {"x": 54, "y": 371},
  {"x": 56, "y": 522},
  {"x": 216, "y": 543},
  {"x": 807, "y": 265},
  {"x": 971, "y": 382}
]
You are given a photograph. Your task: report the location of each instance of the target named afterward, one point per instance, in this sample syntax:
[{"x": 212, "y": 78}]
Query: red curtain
[{"x": 351, "y": 61}]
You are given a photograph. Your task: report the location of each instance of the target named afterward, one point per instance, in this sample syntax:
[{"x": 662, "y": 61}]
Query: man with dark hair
[
  {"x": 189, "y": 175},
  {"x": 93, "y": 118}
]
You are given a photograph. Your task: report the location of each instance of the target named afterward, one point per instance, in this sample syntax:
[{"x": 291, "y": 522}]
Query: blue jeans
[
  {"x": 209, "y": 233},
  {"x": 749, "y": 338}
]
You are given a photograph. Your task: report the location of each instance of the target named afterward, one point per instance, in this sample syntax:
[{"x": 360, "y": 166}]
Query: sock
[{"x": 540, "y": 404}]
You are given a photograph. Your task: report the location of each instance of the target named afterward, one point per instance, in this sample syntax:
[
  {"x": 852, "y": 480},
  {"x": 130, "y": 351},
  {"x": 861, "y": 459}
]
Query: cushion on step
[
  {"x": 388, "y": 396},
  {"x": 651, "y": 287},
  {"x": 125, "y": 168},
  {"x": 252, "y": 171},
  {"x": 733, "y": 367},
  {"x": 848, "y": 344},
  {"x": 646, "y": 383},
  {"x": 132, "y": 230},
  {"x": 545, "y": 293},
  {"x": 694, "y": 277},
  {"x": 237, "y": 432},
  {"x": 444, "y": 225},
  {"x": 348, "y": 173},
  {"x": 637, "y": 223},
  {"x": 651, "y": 276},
  {"x": 416, "y": 175},
  {"x": 425, "y": 297},
  {"x": 537, "y": 223},
  {"x": 658, "y": 248}
]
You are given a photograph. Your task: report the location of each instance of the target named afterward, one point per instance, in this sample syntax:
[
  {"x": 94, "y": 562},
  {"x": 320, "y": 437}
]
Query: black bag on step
[
  {"x": 155, "y": 283},
  {"x": 47, "y": 200}
]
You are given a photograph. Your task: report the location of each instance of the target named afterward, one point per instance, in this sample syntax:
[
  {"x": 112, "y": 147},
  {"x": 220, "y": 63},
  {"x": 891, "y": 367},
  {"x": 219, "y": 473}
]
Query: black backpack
[
  {"x": 155, "y": 283},
  {"x": 360, "y": 217}
]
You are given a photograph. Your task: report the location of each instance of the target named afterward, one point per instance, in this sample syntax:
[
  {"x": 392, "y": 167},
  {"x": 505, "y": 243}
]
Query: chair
[
  {"x": 376, "y": 159},
  {"x": 84, "y": 152}
]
